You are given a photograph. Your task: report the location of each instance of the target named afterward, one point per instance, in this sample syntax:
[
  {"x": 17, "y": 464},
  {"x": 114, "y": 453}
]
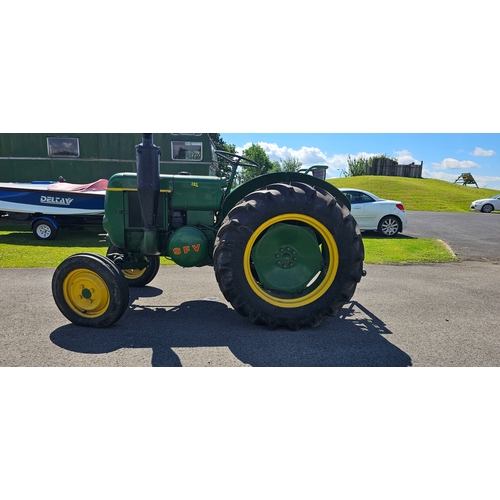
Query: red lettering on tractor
[{"x": 186, "y": 249}]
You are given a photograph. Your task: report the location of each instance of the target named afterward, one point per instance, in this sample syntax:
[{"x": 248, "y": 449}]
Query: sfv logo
[{"x": 56, "y": 200}]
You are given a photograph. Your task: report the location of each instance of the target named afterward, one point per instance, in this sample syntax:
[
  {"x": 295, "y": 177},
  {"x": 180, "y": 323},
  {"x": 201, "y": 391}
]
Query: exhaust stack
[{"x": 148, "y": 188}]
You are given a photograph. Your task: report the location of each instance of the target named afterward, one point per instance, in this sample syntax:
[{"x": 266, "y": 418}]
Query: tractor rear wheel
[
  {"x": 90, "y": 290},
  {"x": 288, "y": 255}
]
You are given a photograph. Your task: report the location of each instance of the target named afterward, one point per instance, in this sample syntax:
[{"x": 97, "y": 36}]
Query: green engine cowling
[{"x": 187, "y": 206}]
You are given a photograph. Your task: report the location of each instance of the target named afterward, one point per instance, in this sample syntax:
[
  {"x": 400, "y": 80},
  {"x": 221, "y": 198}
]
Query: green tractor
[{"x": 284, "y": 246}]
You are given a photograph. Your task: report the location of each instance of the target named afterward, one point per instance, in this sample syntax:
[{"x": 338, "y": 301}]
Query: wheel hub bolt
[{"x": 285, "y": 256}]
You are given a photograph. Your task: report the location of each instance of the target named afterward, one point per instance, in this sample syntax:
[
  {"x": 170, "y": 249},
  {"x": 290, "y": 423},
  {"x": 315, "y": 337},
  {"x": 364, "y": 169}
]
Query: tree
[
  {"x": 257, "y": 154},
  {"x": 290, "y": 164},
  {"x": 383, "y": 156},
  {"x": 355, "y": 166}
]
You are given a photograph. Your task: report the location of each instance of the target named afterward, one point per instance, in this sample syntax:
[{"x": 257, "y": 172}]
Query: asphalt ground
[
  {"x": 471, "y": 235},
  {"x": 409, "y": 315},
  {"x": 413, "y": 315}
]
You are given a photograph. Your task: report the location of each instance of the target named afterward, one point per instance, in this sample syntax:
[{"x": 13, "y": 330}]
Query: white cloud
[
  {"x": 314, "y": 156},
  {"x": 452, "y": 164},
  {"x": 307, "y": 156},
  {"x": 487, "y": 178},
  {"x": 405, "y": 157},
  {"x": 442, "y": 176},
  {"x": 483, "y": 152},
  {"x": 488, "y": 181}
]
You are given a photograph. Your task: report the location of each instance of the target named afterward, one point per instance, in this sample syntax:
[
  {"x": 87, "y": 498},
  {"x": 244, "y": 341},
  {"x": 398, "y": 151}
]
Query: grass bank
[{"x": 417, "y": 194}]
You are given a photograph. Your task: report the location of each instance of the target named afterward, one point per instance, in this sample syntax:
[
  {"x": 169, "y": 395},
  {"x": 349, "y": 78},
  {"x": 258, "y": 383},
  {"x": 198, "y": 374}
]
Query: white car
[
  {"x": 487, "y": 205},
  {"x": 372, "y": 213}
]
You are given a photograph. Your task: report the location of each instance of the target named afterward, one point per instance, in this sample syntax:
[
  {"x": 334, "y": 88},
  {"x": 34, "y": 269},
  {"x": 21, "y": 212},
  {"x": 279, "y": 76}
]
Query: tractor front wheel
[
  {"x": 90, "y": 290},
  {"x": 288, "y": 255}
]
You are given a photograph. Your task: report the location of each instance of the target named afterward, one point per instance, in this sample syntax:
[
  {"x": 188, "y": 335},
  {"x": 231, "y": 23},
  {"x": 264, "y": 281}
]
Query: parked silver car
[
  {"x": 388, "y": 217},
  {"x": 486, "y": 205}
]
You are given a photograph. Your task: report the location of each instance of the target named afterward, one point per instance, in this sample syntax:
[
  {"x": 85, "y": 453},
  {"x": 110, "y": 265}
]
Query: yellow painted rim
[
  {"x": 86, "y": 293},
  {"x": 315, "y": 294},
  {"x": 133, "y": 274}
]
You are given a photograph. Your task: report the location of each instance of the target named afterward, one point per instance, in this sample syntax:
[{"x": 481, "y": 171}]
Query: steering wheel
[{"x": 241, "y": 160}]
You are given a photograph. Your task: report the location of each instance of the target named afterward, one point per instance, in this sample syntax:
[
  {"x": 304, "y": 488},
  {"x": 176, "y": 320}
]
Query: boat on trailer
[{"x": 53, "y": 205}]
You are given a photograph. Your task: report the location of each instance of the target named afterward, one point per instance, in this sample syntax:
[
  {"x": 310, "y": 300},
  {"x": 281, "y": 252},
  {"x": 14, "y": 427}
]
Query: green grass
[
  {"x": 418, "y": 194},
  {"x": 403, "y": 250},
  {"x": 20, "y": 249}
]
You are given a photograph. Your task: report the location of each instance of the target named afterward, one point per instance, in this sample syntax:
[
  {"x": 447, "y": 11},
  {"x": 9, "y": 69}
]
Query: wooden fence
[{"x": 386, "y": 166}]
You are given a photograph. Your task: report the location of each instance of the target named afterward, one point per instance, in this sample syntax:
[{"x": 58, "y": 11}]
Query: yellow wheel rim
[
  {"x": 318, "y": 291},
  {"x": 133, "y": 274},
  {"x": 86, "y": 293}
]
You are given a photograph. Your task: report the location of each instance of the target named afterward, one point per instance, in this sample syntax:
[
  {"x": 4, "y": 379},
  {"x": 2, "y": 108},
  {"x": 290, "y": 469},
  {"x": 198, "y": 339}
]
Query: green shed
[{"x": 84, "y": 158}]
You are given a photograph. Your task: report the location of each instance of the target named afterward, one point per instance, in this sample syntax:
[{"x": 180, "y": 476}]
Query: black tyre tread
[
  {"x": 108, "y": 271},
  {"x": 263, "y": 204}
]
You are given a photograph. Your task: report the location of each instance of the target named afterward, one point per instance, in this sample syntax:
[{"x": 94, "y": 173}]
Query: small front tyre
[
  {"x": 487, "y": 208},
  {"x": 90, "y": 290}
]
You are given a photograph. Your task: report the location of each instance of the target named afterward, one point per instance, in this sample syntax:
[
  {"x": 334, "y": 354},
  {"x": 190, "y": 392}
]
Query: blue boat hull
[{"x": 45, "y": 198}]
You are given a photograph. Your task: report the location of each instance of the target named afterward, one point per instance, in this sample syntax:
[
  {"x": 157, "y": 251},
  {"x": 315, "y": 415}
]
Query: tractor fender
[{"x": 261, "y": 181}]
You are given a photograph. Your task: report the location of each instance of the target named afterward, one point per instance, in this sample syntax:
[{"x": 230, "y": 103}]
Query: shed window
[
  {"x": 182, "y": 150},
  {"x": 61, "y": 147}
]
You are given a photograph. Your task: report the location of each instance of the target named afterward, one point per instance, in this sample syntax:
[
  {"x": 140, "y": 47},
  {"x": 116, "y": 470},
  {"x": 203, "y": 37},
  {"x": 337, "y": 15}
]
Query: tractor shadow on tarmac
[{"x": 355, "y": 337}]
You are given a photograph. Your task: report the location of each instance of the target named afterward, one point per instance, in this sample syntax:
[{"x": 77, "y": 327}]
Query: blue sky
[{"x": 444, "y": 156}]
